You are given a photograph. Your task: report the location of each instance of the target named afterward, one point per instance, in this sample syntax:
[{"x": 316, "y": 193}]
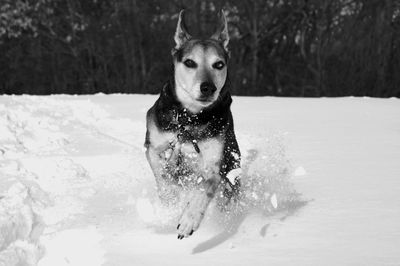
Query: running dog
[{"x": 190, "y": 139}]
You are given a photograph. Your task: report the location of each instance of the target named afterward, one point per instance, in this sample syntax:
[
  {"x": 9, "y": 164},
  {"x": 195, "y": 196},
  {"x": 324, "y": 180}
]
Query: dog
[{"x": 190, "y": 139}]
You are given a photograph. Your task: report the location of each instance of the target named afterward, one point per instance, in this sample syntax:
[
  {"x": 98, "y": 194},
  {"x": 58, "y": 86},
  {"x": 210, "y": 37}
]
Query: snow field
[{"x": 320, "y": 179}]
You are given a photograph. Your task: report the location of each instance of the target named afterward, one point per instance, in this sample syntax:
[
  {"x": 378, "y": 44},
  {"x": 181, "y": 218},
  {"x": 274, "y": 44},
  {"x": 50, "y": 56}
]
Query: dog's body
[{"x": 190, "y": 137}]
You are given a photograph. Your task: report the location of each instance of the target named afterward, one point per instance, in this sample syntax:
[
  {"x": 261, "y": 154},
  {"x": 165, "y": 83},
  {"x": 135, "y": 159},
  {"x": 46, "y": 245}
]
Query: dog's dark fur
[
  {"x": 179, "y": 143},
  {"x": 217, "y": 119}
]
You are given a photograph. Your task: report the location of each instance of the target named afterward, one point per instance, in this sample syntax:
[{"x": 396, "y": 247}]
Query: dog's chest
[
  {"x": 193, "y": 166},
  {"x": 163, "y": 139},
  {"x": 209, "y": 152},
  {"x": 200, "y": 152}
]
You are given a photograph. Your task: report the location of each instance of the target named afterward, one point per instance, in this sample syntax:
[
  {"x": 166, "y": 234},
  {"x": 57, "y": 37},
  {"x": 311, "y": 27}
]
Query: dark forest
[{"x": 305, "y": 48}]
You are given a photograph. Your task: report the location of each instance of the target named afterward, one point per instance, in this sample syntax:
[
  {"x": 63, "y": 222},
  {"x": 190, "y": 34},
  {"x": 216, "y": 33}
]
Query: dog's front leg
[
  {"x": 208, "y": 169},
  {"x": 160, "y": 160},
  {"x": 196, "y": 206}
]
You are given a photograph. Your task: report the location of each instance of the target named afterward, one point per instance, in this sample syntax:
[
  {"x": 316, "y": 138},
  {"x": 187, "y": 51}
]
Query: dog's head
[{"x": 200, "y": 65}]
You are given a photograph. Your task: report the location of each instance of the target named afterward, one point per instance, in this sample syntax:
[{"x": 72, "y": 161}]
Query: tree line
[{"x": 278, "y": 47}]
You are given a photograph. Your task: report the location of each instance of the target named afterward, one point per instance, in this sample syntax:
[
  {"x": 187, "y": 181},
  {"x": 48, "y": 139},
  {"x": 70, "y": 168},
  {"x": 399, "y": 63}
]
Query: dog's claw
[
  {"x": 191, "y": 232},
  {"x": 178, "y": 226},
  {"x": 180, "y": 237}
]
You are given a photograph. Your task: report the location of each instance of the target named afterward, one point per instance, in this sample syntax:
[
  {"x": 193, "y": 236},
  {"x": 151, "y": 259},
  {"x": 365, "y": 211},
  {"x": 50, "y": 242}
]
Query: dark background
[{"x": 278, "y": 47}]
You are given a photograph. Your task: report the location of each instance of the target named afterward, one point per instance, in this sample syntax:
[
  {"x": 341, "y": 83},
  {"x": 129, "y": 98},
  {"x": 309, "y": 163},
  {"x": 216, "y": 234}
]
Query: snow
[
  {"x": 274, "y": 201},
  {"x": 300, "y": 171},
  {"x": 234, "y": 174},
  {"x": 320, "y": 178},
  {"x": 74, "y": 247}
]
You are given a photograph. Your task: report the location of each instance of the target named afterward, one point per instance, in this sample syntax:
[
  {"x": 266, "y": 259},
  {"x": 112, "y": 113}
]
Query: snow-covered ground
[{"x": 322, "y": 178}]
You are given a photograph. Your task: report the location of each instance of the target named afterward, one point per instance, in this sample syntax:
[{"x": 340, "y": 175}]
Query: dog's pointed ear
[
  {"x": 181, "y": 33},
  {"x": 222, "y": 34}
]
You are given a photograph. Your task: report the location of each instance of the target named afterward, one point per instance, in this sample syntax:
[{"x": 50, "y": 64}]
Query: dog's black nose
[{"x": 207, "y": 88}]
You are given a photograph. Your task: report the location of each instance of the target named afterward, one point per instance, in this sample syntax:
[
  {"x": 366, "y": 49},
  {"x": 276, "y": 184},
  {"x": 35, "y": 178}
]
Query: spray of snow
[
  {"x": 266, "y": 189},
  {"x": 300, "y": 171}
]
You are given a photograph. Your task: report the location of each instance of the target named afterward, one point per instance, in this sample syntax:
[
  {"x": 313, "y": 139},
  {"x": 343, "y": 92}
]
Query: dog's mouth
[{"x": 205, "y": 101}]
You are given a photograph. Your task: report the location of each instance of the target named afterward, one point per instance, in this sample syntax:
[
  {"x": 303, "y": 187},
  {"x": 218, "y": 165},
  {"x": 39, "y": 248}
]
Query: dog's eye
[
  {"x": 218, "y": 65},
  {"x": 190, "y": 63}
]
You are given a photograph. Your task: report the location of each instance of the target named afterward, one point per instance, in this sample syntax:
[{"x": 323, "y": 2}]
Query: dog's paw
[{"x": 190, "y": 221}]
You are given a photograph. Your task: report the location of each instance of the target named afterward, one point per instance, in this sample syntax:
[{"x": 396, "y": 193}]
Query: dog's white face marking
[{"x": 201, "y": 64}]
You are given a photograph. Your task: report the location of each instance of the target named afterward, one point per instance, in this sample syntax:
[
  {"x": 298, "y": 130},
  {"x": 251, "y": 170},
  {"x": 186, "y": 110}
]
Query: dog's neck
[{"x": 169, "y": 107}]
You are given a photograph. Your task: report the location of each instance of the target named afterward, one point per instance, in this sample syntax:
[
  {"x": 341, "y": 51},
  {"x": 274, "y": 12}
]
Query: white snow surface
[{"x": 321, "y": 179}]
